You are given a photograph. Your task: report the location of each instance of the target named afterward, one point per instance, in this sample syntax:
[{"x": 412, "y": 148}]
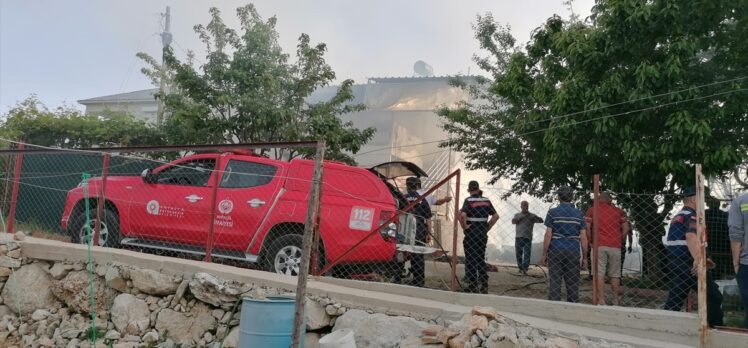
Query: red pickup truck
[{"x": 260, "y": 210}]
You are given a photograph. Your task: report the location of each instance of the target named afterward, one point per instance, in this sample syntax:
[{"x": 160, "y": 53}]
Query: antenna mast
[{"x": 165, "y": 41}]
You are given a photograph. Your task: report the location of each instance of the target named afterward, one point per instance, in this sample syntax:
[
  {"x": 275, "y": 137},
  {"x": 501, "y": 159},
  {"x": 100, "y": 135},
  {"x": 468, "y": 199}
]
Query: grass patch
[
  {"x": 38, "y": 230},
  {"x": 733, "y": 319},
  {"x": 644, "y": 283},
  {"x": 50, "y": 236},
  {"x": 100, "y": 333}
]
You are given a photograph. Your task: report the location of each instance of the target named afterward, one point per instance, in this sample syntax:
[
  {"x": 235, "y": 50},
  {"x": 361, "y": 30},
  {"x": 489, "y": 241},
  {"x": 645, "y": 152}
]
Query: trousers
[
  {"x": 682, "y": 281},
  {"x": 418, "y": 261},
  {"x": 742, "y": 278},
  {"x": 474, "y": 246},
  {"x": 522, "y": 248},
  {"x": 563, "y": 267}
]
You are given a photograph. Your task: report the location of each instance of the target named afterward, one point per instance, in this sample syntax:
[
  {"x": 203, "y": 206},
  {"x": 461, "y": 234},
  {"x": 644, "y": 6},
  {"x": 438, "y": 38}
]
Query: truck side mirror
[{"x": 148, "y": 176}]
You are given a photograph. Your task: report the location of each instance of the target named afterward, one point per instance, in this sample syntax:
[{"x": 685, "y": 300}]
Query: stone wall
[{"x": 49, "y": 304}]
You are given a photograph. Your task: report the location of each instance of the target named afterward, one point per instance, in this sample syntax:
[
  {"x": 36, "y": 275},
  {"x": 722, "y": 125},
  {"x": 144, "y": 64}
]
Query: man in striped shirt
[
  {"x": 683, "y": 246},
  {"x": 565, "y": 236}
]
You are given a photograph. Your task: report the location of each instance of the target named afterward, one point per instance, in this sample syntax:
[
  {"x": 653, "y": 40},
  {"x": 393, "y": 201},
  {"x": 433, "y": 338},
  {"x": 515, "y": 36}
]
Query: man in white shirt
[{"x": 431, "y": 199}]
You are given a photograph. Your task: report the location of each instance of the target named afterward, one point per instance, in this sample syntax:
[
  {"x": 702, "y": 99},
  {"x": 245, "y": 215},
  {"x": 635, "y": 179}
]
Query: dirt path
[{"x": 509, "y": 282}]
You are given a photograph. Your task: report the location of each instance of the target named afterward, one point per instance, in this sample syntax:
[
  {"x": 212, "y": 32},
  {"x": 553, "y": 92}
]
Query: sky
[{"x": 64, "y": 51}]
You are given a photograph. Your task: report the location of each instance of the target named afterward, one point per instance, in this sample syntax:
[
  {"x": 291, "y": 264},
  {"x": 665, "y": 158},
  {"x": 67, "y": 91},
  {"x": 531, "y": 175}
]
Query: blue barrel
[{"x": 267, "y": 323}]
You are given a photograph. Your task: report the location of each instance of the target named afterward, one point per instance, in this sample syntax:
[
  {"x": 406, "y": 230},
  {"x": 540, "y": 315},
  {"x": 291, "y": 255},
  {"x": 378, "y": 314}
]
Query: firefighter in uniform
[
  {"x": 422, "y": 213},
  {"x": 683, "y": 246},
  {"x": 475, "y": 222}
]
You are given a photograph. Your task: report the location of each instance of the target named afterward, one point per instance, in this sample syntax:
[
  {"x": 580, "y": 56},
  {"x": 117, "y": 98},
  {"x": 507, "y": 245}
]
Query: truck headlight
[{"x": 389, "y": 232}]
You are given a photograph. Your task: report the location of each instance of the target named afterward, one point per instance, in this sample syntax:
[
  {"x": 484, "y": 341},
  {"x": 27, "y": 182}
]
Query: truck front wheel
[{"x": 108, "y": 228}]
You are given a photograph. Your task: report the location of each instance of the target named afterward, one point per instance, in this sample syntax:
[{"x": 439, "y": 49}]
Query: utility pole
[{"x": 165, "y": 41}]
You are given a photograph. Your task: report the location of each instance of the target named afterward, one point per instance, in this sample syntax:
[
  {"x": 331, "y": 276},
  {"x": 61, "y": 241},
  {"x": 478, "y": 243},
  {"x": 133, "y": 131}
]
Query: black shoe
[
  {"x": 483, "y": 288},
  {"x": 414, "y": 282}
]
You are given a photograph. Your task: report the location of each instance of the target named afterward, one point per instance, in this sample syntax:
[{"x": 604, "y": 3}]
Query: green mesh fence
[{"x": 46, "y": 178}]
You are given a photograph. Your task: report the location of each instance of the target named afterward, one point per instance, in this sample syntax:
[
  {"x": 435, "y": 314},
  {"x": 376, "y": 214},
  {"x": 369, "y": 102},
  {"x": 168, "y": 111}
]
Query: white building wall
[{"x": 142, "y": 110}]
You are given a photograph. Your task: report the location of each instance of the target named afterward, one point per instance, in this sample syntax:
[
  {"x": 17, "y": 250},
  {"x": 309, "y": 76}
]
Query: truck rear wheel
[{"x": 284, "y": 255}]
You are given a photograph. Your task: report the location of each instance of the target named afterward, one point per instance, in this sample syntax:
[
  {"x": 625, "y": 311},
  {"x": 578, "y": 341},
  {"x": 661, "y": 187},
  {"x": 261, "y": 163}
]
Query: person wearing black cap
[
  {"x": 683, "y": 249},
  {"x": 422, "y": 213},
  {"x": 565, "y": 235},
  {"x": 475, "y": 222}
]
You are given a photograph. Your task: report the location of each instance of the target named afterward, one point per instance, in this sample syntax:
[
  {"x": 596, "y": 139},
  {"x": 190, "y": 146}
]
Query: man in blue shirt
[
  {"x": 565, "y": 236},
  {"x": 683, "y": 248},
  {"x": 738, "y": 222},
  {"x": 475, "y": 222}
]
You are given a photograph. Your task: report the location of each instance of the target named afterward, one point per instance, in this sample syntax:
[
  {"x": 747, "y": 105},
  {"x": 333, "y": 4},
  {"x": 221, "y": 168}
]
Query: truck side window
[
  {"x": 242, "y": 174},
  {"x": 188, "y": 173}
]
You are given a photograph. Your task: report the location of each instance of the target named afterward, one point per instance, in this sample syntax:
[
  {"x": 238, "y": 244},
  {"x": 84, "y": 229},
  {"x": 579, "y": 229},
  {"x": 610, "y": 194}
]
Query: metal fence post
[
  {"x": 595, "y": 237},
  {"x": 701, "y": 268},
  {"x": 455, "y": 231},
  {"x": 16, "y": 186},
  {"x": 100, "y": 201},
  {"x": 310, "y": 227},
  {"x": 213, "y": 208}
]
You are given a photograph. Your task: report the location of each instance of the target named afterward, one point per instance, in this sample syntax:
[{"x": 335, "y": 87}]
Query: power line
[
  {"x": 187, "y": 53},
  {"x": 128, "y": 72},
  {"x": 639, "y": 99},
  {"x": 634, "y": 111},
  {"x": 399, "y": 146}
]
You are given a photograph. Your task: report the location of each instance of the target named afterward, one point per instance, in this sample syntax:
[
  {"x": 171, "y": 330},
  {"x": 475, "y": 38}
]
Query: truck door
[
  {"x": 248, "y": 189},
  {"x": 177, "y": 206}
]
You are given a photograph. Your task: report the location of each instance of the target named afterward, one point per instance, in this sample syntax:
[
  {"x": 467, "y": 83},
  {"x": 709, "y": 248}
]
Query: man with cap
[
  {"x": 422, "y": 213},
  {"x": 683, "y": 249},
  {"x": 475, "y": 222},
  {"x": 565, "y": 235}
]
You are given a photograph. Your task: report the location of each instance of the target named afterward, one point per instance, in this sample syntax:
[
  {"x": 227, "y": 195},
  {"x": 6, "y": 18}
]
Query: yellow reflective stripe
[{"x": 744, "y": 207}]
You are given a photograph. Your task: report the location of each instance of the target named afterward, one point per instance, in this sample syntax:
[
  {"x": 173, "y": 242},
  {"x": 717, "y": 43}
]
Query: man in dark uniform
[
  {"x": 683, "y": 248},
  {"x": 475, "y": 222},
  {"x": 718, "y": 239},
  {"x": 422, "y": 213}
]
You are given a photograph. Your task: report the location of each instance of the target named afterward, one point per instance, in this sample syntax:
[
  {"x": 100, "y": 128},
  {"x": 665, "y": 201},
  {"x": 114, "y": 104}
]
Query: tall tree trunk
[{"x": 648, "y": 222}]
